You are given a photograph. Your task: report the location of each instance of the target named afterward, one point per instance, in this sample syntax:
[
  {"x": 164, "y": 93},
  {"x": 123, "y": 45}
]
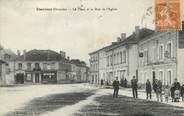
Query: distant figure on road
[
  {"x": 182, "y": 92},
  {"x": 125, "y": 82},
  {"x": 172, "y": 92},
  {"x": 102, "y": 82},
  {"x": 116, "y": 87},
  {"x": 148, "y": 89},
  {"x": 122, "y": 82},
  {"x": 134, "y": 87}
]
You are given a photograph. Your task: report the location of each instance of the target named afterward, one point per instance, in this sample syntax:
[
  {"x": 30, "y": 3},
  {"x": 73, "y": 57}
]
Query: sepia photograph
[{"x": 91, "y": 58}]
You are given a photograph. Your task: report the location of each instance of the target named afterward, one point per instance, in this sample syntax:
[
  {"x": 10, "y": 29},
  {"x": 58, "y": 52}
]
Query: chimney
[
  {"x": 123, "y": 36},
  {"x": 137, "y": 32},
  {"x": 68, "y": 58},
  {"x": 63, "y": 54},
  {"x": 118, "y": 39},
  {"x": 18, "y": 53},
  {"x": 24, "y": 53}
]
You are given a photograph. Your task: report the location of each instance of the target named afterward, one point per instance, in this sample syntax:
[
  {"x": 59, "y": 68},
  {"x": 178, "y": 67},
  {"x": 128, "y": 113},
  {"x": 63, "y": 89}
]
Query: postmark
[{"x": 168, "y": 15}]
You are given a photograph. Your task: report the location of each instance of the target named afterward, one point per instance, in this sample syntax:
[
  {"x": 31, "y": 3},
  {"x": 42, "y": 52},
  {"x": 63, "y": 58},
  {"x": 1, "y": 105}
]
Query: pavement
[
  {"x": 21, "y": 98},
  {"x": 141, "y": 95}
]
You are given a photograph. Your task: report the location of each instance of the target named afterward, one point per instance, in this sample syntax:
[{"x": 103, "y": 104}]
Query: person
[
  {"x": 159, "y": 91},
  {"x": 116, "y": 87},
  {"x": 134, "y": 87},
  {"x": 122, "y": 82},
  {"x": 125, "y": 83},
  {"x": 172, "y": 92},
  {"x": 167, "y": 93},
  {"x": 176, "y": 84},
  {"x": 148, "y": 89},
  {"x": 155, "y": 85},
  {"x": 101, "y": 81},
  {"x": 182, "y": 92},
  {"x": 176, "y": 90}
]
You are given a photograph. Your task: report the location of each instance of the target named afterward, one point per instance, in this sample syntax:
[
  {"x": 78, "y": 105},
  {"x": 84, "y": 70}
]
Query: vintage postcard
[{"x": 91, "y": 58}]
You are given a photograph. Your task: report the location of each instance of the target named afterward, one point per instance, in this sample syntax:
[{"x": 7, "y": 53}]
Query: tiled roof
[
  {"x": 78, "y": 62},
  {"x": 133, "y": 39},
  {"x": 41, "y": 55}
]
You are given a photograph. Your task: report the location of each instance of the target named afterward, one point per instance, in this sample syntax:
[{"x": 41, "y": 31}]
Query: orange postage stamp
[{"x": 167, "y": 15}]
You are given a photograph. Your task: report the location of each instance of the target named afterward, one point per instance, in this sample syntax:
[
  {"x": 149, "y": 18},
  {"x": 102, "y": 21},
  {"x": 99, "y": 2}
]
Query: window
[
  {"x": 161, "y": 76},
  {"x": 118, "y": 58},
  {"x": 161, "y": 52},
  {"x": 107, "y": 60},
  {"x": 169, "y": 49},
  {"x": 145, "y": 57},
  {"x": 111, "y": 60},
  {"x": 45, "y": 66},
  {"x": 124, "y": 56},
  {"x": 28, "y": 66},
  {"x": 121, "y": 57},
  {"x": 114, "y": 59},
  {"x": 169, "y": 77},
  {"x": 52, "y": 65},
  {"x": 19, "y": 66}
]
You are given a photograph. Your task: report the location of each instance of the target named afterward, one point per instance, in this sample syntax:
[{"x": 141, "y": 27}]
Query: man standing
[
  {"x": 159, "y": 91},
  {"x": 134, "y": 87},
  {"x": 148, "y": 89},
  {"x": 116, "y": 87}
]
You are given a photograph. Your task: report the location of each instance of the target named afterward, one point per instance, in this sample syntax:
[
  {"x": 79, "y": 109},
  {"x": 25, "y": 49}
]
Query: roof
[
  {"x": 133, "y": 38},
  {"x": 41, "y": 55},
  {"x": 77, "y": 62},
  {"x": 13, "y": 56},
  {"x": 106, "y": 47}
]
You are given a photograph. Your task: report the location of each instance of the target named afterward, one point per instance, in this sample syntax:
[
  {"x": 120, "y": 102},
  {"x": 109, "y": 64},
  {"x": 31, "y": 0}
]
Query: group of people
[
  {"x": 175, "y": 91},
  {"x": 134, "y": 85}
]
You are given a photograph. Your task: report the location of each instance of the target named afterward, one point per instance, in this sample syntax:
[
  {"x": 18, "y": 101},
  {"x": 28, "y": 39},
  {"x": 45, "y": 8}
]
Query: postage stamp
[{"x": 168, "y": 15}]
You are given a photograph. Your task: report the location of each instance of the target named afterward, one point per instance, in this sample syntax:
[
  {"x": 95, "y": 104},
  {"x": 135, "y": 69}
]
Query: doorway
[
  {"x": 37, "y": 75},
  {"x": 19, "y": 78}
]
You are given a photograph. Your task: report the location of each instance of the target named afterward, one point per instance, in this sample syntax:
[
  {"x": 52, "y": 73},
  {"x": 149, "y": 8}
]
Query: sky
[{"x": 77, "y": 33}]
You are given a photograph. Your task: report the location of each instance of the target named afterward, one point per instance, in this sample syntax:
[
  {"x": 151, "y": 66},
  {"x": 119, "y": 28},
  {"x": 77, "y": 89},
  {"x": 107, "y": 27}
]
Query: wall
[{"x": 180, "y": 65}]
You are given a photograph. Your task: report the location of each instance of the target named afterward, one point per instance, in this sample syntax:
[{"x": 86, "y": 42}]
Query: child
[
  {"x": 177, "y": 95},
  {"x": 167, "y": 93}
]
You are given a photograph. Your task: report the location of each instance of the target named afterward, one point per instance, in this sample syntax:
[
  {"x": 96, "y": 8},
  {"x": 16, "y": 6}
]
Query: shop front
[{"x": 49, "y": 76}]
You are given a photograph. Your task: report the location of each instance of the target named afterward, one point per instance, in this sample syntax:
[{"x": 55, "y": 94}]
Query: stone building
[
  {"x": 146, "y": 54},
  {"x": 3, "y": 67},
  {"x": 8, "y": 57},
  {"x": 79, "y": 71},
  {"x": 161, "y": 57},
  {"x": 94, "y": 67},
  {"x": 41, "y": 66}
]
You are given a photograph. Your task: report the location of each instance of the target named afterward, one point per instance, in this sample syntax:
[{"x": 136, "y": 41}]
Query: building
[
  {"x": 8, "y": 57},
  {"x": 161, "y": 57},
  {"x": 41, "y": 66},
  {"x": 3, "y": 67},
  {"x": 79, "y": 71},
  {"x": 146, "y": 54},
  {"x": 94, "y": 67}
]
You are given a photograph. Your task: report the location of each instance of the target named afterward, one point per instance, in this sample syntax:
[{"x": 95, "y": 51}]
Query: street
[{"x": 79, "y": 99}]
